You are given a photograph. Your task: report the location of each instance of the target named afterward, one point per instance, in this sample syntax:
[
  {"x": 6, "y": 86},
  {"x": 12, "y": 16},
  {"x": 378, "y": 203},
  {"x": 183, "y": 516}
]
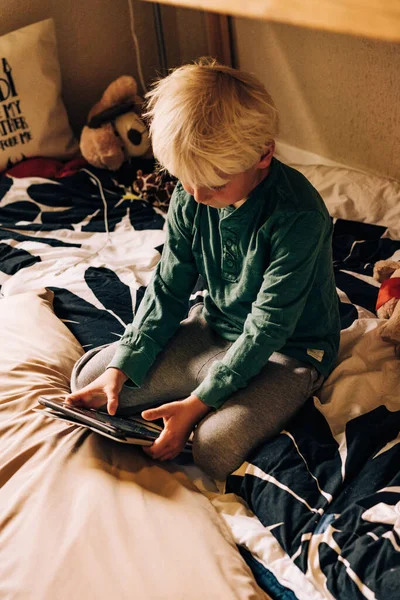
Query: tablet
[{"x": 119, "y": 427}]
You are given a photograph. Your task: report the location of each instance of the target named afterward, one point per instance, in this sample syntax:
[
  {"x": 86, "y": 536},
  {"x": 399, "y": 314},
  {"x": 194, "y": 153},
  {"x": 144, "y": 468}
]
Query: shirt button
[
  {"x": 229, "y": 243},
  {"x": 230, "y": 263}
]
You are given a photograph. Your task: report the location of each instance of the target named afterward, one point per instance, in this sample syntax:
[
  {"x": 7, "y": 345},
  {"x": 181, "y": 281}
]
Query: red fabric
[
  {"x": 389, "y": 289},
  {"x": 46, "y": 168}
]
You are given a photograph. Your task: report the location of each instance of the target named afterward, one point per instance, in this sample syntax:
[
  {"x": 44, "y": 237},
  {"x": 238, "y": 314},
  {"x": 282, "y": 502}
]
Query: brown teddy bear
[
  {"x": 115, "y": 132},
  {"x": 387, "y": 272}
]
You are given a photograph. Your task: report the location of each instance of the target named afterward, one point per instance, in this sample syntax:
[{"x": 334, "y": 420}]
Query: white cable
[
  {"x": 100, "y": 186},
  {"x": 136, "y": 44}
]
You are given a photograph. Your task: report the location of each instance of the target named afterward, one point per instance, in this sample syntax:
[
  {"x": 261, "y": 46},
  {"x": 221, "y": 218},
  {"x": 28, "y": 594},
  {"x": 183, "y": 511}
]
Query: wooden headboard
[{"x": 378, "y": 19}]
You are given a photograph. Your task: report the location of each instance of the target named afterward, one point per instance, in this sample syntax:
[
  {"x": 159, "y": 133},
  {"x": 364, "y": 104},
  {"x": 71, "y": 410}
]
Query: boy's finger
[
  {"x": 112, "y": 404},
  {"x": 149, "y": 451},
  {"x": 155, "y": 413},
  {"x": 160, "y": 446},
  {"x": 83, "y": 394},
  {"x": 170, "y": 455},
  {"x": 73, "y": 398}
]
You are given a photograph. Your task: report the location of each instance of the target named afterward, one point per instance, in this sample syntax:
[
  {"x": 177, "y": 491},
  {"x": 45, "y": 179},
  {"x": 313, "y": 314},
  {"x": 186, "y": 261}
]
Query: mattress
[{"x": 314, "y": 512}]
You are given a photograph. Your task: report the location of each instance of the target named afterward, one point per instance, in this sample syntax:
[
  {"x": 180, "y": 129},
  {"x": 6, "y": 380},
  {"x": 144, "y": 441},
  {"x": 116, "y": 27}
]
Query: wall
[
  {"x": 184, "y": 33},
  {"x": 95, "y": 44},
  {"x": 338, "y": 96}
]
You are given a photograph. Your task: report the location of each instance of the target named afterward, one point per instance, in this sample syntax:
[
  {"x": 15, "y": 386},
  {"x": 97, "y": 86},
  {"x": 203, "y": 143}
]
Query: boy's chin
[{"x": 218, "y": 204}]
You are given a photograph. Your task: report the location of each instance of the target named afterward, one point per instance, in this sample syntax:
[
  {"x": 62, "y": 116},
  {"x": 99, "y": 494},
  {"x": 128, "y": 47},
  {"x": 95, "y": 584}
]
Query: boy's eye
[{"x": 216, "y": 188}]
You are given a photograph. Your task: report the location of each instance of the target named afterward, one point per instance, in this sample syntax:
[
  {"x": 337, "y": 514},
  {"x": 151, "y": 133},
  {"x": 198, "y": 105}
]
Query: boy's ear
[{"x": 266, "y": 158}]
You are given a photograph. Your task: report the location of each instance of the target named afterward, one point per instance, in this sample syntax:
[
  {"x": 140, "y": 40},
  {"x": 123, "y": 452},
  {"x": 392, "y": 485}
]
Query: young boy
[{"x": 259, "y": 234}]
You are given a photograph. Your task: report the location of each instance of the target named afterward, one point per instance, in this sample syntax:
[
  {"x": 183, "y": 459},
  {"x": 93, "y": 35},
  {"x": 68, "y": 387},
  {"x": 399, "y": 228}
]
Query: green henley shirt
[{"x": 269, "y": 274}]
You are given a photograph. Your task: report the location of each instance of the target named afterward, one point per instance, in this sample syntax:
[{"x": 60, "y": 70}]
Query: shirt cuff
[
  {"x": 217, "y": 387},
  {"x": 132, "y": 361}
]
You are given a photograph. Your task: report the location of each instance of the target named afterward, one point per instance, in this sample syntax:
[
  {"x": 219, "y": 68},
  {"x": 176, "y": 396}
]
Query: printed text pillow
[{"x": 33, "y": 119}]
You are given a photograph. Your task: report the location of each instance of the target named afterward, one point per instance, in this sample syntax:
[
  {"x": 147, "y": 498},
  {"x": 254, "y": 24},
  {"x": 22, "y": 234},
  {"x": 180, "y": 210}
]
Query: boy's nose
[{"x": 201, "y": 194}]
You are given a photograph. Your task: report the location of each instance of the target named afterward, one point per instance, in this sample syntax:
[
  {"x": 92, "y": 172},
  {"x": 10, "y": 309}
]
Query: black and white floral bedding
[
  {"x": 327, "y": 489},
  {"x": 320, "y": 515},
  {"x": 57, "y": 234}
]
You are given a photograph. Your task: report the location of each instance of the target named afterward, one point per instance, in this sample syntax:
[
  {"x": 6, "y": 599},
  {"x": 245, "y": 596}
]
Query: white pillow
[
  {"x": 357, "y": 196},
  {"x": 33, "y": 119}
]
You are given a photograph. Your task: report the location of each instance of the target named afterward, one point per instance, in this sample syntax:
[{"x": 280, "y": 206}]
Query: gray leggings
[{"x": 224, "y": 438}]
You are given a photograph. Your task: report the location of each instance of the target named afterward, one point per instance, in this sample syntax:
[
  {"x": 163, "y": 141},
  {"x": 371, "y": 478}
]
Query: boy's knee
[
  {"x": 82, "y": 374},
  {"x": 214, "y": 452},
  {"x": 76, "y": 383},
  {"x": 92, "y": 364}
]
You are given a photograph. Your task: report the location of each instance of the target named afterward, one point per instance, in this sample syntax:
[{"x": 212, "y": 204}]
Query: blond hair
[{"x": 208, "y": 120}]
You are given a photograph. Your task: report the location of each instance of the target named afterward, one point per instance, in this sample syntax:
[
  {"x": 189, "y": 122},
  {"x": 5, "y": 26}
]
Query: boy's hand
[
  {"x": 104, "y": 389},
  {"x": 179, "y": 417}
]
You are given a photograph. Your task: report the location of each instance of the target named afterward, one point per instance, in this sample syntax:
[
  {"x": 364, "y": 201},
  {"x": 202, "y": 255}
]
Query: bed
[{"x": 314, "y": 513}]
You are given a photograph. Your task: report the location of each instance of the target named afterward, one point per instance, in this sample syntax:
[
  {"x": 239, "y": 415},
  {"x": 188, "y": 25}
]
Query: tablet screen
[{"x": 128, "y": 427}]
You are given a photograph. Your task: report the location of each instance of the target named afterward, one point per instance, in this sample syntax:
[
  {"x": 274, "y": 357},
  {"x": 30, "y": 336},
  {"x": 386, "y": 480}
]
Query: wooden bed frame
[{"x": 378, "y": 19}]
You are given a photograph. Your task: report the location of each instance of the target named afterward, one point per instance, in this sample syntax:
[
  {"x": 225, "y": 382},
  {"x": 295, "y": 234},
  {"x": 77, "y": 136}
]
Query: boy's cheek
[{"x": 187, "y": 188}]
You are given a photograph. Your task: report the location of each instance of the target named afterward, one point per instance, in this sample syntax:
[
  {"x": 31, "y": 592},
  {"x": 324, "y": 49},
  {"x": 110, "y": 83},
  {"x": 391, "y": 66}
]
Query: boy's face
[{"x": 237, "y": 188}]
